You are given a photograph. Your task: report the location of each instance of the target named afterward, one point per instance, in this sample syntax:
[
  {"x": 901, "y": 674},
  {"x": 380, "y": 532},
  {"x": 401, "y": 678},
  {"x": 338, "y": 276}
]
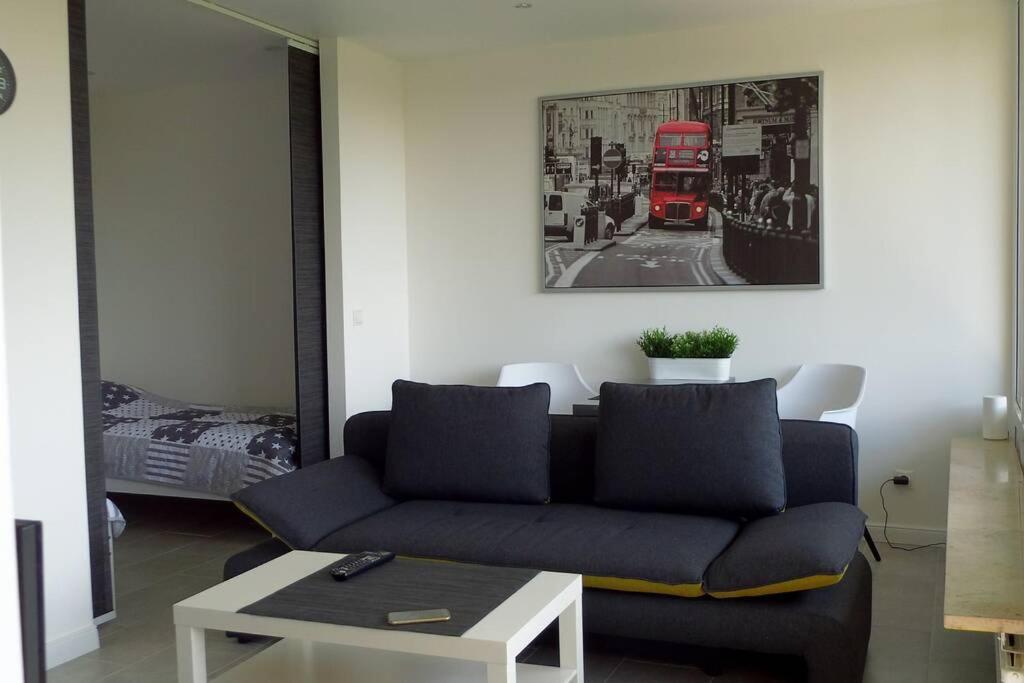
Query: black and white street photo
[{"x": 685, "y": 186}]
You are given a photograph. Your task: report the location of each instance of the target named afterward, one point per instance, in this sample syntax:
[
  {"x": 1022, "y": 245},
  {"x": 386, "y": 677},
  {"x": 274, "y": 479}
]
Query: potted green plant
[{"x": 695, "y": 354}]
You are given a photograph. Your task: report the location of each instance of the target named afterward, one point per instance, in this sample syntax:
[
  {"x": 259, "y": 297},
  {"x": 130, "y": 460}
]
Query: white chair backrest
[
  {"x": 825, "y": 392},
  {"x": 567, "y": 385}
]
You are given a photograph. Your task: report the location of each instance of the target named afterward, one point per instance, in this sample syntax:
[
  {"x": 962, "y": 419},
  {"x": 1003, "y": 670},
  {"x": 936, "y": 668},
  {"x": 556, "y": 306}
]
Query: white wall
[
  {"x": 10, "y": 608},
  {"x": 918, "y": 149},
  {"x": 44, "y": 382},
  {"x": 365, "y": 223},
  {"x": 193, "y": 238}
]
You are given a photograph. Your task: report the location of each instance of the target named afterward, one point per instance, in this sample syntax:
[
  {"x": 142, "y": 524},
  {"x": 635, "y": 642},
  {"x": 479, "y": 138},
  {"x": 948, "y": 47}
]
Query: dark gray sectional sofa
[{"x": 787, "y": 581}]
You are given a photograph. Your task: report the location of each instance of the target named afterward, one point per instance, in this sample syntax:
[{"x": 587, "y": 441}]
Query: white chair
[
  {"x": 826, "y": 393},
  {"x": 567, "y": 385}
]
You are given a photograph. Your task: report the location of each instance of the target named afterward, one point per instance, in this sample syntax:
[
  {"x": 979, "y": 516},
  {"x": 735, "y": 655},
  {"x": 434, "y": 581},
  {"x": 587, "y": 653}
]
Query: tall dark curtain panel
[
  {"x": 92, "y": 404},
  {"x": 308, "y": 255}
]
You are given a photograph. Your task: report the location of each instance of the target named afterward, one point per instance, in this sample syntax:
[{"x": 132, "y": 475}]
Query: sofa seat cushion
[
  {"x": 803, "y": 548},
  {"x": 613, "y": 549},
  {"x": 699, "y": 449}
]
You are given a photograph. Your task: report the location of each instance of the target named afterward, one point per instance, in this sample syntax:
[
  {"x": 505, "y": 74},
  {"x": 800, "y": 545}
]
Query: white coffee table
[{"x": 313, "y": 652}]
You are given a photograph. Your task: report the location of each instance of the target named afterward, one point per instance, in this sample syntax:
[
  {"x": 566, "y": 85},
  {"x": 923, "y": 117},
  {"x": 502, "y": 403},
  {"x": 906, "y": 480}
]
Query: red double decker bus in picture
[
  {"x": 681, "y": 182},
  {"x": 682, "y": 144}
]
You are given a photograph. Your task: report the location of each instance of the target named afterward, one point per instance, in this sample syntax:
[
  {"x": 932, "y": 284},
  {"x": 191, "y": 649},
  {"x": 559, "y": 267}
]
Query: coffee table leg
[
  {"x": 570, "y": 638},
  {"x": 191, "y": 654},
  {"x": 502, "y": 673}
]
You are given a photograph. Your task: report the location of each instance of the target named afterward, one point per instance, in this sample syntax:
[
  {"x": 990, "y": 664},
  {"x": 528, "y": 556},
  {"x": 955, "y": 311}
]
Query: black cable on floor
[{"x": 885, "y": 526}]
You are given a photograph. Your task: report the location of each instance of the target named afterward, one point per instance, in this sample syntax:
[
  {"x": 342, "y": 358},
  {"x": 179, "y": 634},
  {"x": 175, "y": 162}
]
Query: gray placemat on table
[{"x": 469, "y": 591}]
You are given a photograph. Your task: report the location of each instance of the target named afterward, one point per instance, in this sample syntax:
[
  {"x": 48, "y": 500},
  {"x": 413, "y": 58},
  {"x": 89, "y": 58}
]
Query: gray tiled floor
[{"x": 174, "y": 549}]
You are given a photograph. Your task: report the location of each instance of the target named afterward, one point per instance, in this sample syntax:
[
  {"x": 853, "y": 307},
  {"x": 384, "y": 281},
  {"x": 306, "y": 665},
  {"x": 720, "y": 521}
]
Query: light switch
[{"x": 357, "y": 317}]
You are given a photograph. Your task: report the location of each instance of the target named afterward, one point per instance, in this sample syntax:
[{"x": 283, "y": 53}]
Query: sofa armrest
[
  {"x": 821, "y": 462},
  {"x": 306, "y": 505},
  {"x": 802, "y": 548},
  {"x": 366, "y": 435}
]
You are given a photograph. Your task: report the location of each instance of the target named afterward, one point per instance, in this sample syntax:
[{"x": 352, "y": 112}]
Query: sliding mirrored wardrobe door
[{"x": 308, "y": 270}]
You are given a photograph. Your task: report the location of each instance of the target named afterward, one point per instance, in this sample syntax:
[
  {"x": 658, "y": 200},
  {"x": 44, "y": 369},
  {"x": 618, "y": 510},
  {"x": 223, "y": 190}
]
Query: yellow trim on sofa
[
  {"x": 614, "y": 583},
  {"x": 679, "y": 590},
  {"x": 792, "y": 586},
  {"x": 252, "y": 515}
]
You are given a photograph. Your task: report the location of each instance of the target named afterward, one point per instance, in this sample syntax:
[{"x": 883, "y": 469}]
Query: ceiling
[
  {"x": 409, "y": 29},
  {"x": 135, "y": 44},
  {"x": 138, "y": 44}
]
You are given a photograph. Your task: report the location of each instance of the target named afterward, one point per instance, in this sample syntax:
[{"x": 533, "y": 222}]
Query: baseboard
[
  {"x": 907, "y": 535},
  {"x": 104, "y": 618},
  {"x": 71, "y": 645}
]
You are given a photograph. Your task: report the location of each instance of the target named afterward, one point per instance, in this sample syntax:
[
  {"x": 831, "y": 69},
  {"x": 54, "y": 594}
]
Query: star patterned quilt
[{"x": 208, "y": 448}]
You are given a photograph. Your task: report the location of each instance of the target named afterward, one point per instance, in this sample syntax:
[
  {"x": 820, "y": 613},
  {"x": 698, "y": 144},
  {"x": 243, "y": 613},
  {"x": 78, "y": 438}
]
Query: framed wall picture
[{"x": 711, "y": 185}]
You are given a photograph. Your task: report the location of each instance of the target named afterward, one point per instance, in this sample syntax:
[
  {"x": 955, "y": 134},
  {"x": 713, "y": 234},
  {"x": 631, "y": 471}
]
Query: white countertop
[{"x": 984, "y": 588}]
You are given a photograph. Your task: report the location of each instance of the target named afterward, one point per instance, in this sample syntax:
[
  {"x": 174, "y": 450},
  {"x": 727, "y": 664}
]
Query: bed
[{"x": 158, "y": 445}]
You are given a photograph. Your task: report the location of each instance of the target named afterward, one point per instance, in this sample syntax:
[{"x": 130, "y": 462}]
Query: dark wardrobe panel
[
  {"x": 308, "y": 255},
  {"x": 92, "y": 403}
]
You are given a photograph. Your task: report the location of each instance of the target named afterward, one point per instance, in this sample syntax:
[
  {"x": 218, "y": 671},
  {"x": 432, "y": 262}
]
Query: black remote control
[{"x": 357, "y": 563}]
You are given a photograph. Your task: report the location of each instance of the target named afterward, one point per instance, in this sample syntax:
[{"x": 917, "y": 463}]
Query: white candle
[{"x": 993, "y": 417}]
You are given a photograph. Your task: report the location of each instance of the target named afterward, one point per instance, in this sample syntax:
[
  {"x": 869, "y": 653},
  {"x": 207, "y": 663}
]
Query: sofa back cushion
[
  {"x": 486, "y": 444},
  {"x": 711, "y": 449},
  {"x": 820, "y": 457}
]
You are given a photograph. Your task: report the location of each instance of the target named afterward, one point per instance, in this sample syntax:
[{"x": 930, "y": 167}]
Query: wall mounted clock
[{"x": 8, "y": 84}]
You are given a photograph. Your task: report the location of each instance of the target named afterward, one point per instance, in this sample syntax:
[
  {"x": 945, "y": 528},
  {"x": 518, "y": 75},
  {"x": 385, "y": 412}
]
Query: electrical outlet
[{"x": 909, "y": 474}]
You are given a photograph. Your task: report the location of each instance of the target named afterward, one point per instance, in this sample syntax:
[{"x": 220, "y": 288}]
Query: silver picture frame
[{"x": 624, "y": 265}]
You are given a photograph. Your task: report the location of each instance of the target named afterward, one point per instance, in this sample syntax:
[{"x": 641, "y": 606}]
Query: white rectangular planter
[{"x": 706, "y": 369}]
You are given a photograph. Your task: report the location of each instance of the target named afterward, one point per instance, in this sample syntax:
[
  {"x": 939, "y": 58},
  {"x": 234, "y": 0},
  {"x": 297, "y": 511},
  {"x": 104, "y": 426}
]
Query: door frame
[
  {"x": 308, "y": 273},
  {"x": 88, "y": 321}
]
